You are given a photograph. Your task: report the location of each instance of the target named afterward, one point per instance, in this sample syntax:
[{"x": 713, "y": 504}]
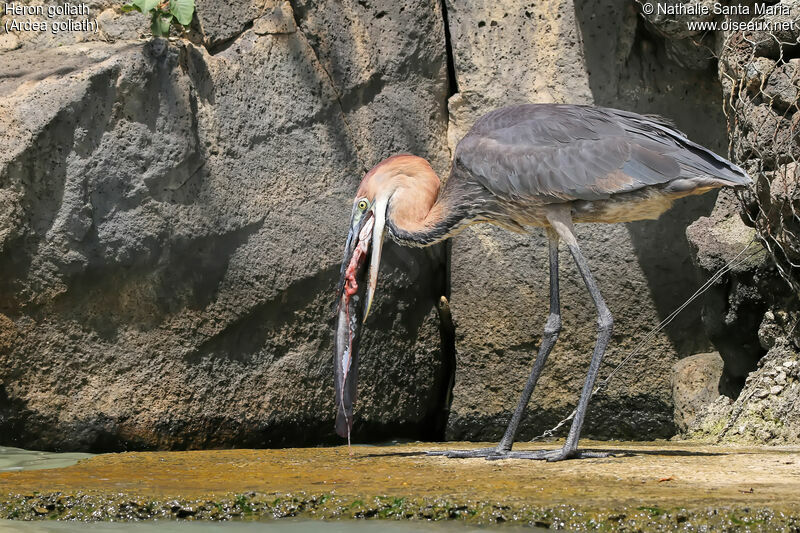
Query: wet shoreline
[{"x": 660, "y": 484}]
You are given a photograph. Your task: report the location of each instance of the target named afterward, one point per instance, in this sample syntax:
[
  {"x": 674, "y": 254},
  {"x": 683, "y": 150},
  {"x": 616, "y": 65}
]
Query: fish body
[{"x": 348, "y": 333}]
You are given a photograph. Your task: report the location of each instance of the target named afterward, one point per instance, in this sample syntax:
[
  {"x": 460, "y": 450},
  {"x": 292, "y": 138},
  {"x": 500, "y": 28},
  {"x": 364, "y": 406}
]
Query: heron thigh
[{"x": 560, "y": 218}]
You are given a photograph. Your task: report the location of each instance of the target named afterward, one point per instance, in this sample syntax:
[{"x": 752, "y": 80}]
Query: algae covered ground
[{"x": 660, "y": 484}]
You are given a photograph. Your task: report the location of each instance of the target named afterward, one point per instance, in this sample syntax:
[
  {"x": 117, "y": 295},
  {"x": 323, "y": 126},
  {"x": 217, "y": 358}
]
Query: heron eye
[{"x": 362, "y": 205}]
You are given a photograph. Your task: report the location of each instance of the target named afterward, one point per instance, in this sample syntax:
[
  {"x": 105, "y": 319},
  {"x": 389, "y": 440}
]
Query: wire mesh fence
[{"x": 760, "y": 74}]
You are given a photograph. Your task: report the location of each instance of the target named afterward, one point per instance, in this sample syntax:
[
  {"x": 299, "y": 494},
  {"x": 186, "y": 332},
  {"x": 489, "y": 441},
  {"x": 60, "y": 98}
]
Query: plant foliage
[{"x": 164, "y": 13}]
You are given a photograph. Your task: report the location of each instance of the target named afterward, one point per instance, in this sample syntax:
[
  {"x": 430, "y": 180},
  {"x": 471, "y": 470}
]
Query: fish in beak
[{"x": 364, "y": 241}]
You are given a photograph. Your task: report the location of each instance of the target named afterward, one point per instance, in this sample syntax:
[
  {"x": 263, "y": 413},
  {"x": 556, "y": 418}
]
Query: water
[{"x": 13, "y": 459}]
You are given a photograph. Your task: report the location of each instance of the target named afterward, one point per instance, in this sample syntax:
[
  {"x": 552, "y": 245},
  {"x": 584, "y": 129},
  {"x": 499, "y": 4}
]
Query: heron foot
[
  {"x": 548, "y": 455},
  {"x": 465, "y": 454}
]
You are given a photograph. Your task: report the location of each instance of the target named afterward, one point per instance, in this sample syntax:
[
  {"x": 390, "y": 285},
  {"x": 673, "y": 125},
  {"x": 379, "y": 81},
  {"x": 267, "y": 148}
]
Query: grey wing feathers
[{"x": 557, "y": 152}]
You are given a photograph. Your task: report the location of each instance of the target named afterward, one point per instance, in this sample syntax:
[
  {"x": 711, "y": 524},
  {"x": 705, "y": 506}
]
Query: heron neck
[{"x": 445, "y": 218}]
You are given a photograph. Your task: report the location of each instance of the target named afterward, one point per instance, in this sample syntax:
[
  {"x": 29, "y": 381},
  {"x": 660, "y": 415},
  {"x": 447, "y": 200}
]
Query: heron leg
[
  {"x": 605, "y": 324},
  {"x": 551, "y": 331}
]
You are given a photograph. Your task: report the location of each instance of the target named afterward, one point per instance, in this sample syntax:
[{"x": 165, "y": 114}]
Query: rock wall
[
  {"x": 172, "y": 217},
  {"x": 752, "y": 313},
  {"x": 172, "y": 232},
  {"x": 696, "y": 383}
]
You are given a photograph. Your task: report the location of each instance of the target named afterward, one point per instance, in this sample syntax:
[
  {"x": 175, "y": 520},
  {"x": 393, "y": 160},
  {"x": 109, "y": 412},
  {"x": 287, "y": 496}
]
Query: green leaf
[
  {"x": 130, "y": 7},
  {"x": 160, "y": 25},
  {"x": 145, "y": 6},
  {"x": 183, "y": 10}
]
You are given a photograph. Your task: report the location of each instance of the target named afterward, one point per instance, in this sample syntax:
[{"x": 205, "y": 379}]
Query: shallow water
[{"x": 15, "y": 459}]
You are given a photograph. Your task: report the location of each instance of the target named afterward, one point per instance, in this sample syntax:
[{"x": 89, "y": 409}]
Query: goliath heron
[{"x": 535, "y": 165}]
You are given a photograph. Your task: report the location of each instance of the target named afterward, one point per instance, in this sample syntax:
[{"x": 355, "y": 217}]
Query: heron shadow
[
  {"x": 392, "y": 454},
  {"x": 613, "y": 453},
  {"x": 663, "y": 453}
]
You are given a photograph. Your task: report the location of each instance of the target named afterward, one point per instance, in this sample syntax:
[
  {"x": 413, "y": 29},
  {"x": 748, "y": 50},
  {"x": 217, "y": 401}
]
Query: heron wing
[{"x": 557, "y": 152}]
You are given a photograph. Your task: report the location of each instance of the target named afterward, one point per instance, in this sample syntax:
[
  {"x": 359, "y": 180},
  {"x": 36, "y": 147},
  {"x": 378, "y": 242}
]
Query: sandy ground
[{"x": 665, "y": 482}]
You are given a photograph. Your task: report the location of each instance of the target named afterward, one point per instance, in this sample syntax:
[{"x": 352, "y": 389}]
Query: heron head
[{"x": 398, "y": 189}]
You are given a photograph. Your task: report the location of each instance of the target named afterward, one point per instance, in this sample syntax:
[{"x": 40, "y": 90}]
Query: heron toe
[{"x": 547, "y": 455}]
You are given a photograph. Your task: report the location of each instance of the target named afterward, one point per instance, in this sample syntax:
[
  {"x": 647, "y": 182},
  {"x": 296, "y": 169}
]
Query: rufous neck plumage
[{"x": 416, "y": 214}]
